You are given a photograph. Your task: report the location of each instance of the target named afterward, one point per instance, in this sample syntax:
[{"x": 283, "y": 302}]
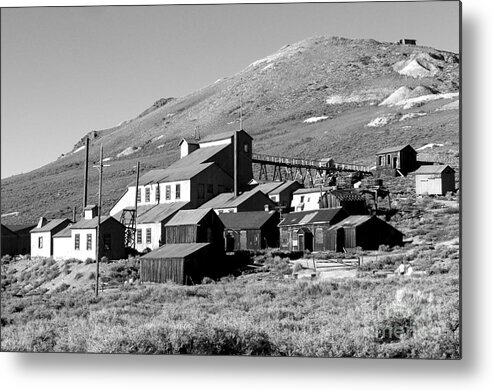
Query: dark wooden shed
[
  {"x": 186, "y": 263},
  {"x": 350, "y": 200},
  {"x": 250, "y": 230},
  {"x": 195, "y": 226},
  {"x": 9, "y": 241},
  {"x": 23, "y": 232},
  {"x": 367, "y": 232},
  {"x": 394, "y": 161},
  {"x": 300, "y": 231}
]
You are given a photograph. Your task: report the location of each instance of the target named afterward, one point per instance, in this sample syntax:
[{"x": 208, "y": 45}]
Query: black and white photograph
[{"x": 275, "y": 180}]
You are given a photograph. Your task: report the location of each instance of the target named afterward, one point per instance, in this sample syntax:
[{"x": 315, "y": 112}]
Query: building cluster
[{"x": 184, "y": 218}]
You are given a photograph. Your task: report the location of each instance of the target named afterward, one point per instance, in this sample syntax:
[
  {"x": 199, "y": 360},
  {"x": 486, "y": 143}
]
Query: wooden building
[
  {"x": 194, "y": 247},
  {"x": 329, "y": 197},
  {"x": 250, "y": 230},
  {"x": 9, "y": 241},
  {"x": 20, "y": 243},
  {"x": 395, "y": 161},
  {"x": 281, "y": 192},
  {"x": 300, "y": 231},
  {"x": 83, "y": 239},
  {"x": 248, "y": 201},
  {"x": 206, "y": 169},
  {"x": 180, "y": 263},
  {"x": 42, "y": 236},
  {"x": 195, "y": 226},
  {"x": 367, "y": 232},
  {"x": 435, "y": 180}
]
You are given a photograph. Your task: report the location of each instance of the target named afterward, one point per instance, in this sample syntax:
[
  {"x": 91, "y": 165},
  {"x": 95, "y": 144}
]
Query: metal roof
[
  {"x": 311, "y": 217},
  {"x": 175, "y": 250},
  {"x": 159, "y": 212},
  {"x": 347, "y": 195},
  {"x": 352, "y": 221},
  {"x": 247, "y": 220},
  {"x": 188, "y": 217},
  {"x": 182, "y": 169},
  {"x": 220, "y": 136},
  {"x": 268, "y": 187},
  {"x": 394, "y": 149},
  {"x": 313, "y": 190},
  {"x": 92, "y": 223},
  {"x": 64, "y": 233},
  {"x": 432, "y": 169},
  {"x": 19, "y": 227},
  {"x": 228, "y": 200},
  {"x": 48, "y": 227},
  {"x": 284, "y": 186}
]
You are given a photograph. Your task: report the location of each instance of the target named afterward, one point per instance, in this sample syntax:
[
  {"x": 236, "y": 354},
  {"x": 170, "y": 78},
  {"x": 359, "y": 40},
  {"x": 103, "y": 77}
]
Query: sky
[{"x": 68, "y": 70}]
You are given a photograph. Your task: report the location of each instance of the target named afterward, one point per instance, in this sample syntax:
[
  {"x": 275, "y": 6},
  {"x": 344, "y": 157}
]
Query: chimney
[
  {"x": 186, "y": 148},
  {"x": 90, "y": 212},
  {"x": 42, "y": 221},
  {"x": 235, "y": 163}
]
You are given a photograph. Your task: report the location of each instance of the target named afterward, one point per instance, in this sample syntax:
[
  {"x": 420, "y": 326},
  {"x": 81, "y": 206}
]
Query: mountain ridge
[{"x": 343, "y": 80}]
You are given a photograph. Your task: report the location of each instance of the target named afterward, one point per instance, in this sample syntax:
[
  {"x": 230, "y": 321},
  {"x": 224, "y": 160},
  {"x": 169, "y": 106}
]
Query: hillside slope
[{"x": 320, "y": 97}]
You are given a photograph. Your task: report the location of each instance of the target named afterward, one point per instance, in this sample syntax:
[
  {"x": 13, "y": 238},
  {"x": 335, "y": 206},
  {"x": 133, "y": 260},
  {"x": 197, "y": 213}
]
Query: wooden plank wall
[{"x": 162, "y": 270}]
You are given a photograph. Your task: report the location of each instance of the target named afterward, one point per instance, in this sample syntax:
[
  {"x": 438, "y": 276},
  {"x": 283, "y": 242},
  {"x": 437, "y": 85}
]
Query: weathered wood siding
[
  {"x": 182, "y": 234},
  {"x": 162, "y": 270}
]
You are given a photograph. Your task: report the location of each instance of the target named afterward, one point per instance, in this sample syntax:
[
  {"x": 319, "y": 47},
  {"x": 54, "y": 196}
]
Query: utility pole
[
  {"x": 98, "y": 229},
  {"x": 135, "y": 215},
  {"x": 86, "y": 170}
]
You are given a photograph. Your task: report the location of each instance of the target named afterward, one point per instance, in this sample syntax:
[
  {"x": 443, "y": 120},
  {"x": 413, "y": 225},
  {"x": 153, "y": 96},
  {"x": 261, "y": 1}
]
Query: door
[
  {"x": 394, "y": 162},
  {"x": 308, "y": 241},
  {"x": 230, "y": 242},
  {"x": 243, "y": 240},
  {"x": 301, "y": 242},
  {"x": 340, "y": 240}
]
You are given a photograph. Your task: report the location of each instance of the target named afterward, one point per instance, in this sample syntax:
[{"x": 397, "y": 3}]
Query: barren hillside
[{"x": 320, "y": 97}]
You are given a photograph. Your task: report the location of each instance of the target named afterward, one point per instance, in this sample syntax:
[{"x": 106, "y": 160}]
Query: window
[
  {"x": 148, "y": 235},
  {"x": 148, "y": 194},
  {"x": 139, "y": 236},
  {"x": 178, "y": 191},
  {"x": 77, "y": 242},
  {"x": 201, "y": 191},
  {"x": 302, "y": 198},
  {"x": 157, "y": 193},
  {"x": 168, "y": 192},
  {"x": 380, "y": 160},
  {"x": 107, "y": 242},
  {"x": 139, "y": 195},
  {"x": 388, "y": 160},
  {"x": 245, "y": 148},
  {"x": 210, "y": 189},
  {"x": 89, "y": 241},
  {"x": 40, "y": 242}
]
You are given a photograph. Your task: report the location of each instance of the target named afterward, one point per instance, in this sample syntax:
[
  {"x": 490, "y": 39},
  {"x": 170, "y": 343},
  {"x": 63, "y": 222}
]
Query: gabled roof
[
  {"x": 346, "y": 195},
  {"x": 356, "y": 220},
  {"x": 274, "y": 187},
  {"x": 352, "y": 221},
  {"x": 432, "y": 169},
  {"x": 51, "y": 225},
  {"x": 19, "y": 227},
  {"x": 312, "y": 217},
  {"x": 188, "y": 217},
  {"x": 92, "y": 223},
  {"x": 221, "y": 136},
  {"x": 7, "y": 231},
  {"x": 183, "y": 169},
  {"x": 159, "y": 212},
  {"x": 171, "y": 174},
  {"x": 228, "y": 200},
  {"x": 64, "y": 233},
  {"x": 396, "y": 148},
  {"x": 247, "y": 220},
  {"x": 180, "y": 250},
  {"x": 284, "y": 186},
  {"x": 312, "y": 190},
  {"x": 268, "y": 187}
]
